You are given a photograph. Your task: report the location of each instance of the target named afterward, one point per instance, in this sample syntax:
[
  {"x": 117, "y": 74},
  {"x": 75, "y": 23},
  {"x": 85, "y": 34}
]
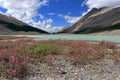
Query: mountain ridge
[
  {"x": 96, "y": 20},
  {"x": 11, "y": 25}
]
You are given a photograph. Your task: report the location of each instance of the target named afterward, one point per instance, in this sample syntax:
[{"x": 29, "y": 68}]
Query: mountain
[
  {"x": 10, "y": 25},
  {"x": 97, "y": 20}
]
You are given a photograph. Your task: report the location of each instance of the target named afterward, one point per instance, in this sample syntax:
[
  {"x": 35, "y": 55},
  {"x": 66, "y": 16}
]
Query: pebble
[{"x": 105, "y": 69}]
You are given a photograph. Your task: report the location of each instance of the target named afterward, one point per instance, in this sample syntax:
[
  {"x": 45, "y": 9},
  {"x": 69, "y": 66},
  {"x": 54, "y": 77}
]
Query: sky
[{"x": 51, "y": 15}]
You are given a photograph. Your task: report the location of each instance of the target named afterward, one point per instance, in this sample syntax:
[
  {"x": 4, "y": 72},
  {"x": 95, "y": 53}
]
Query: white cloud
[
  {"x": 23, "y": 9},
  {"x": 69, "y": 19},
  {"x": 54, "y": 29},
  {"x": 41, "y": 16},
  {"x": 42, "y": 24},
  {"x": 101, "y": 3},
  {"x": 46, "y": 25},
  {"x": 51, "y": 14}
]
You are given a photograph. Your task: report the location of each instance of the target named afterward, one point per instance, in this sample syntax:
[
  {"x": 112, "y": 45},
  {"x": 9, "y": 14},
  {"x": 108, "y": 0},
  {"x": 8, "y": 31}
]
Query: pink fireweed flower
[
  {"x": 26, "y": 58},
  {"x": 111, "y": 44},
  {"x": 3, "y": 56},
  {"x": 17, "y": 60},
  {"x": 13, "y": 72},
  {"x": 83, "y": 48},
  {"x": 12, "y": 59}
]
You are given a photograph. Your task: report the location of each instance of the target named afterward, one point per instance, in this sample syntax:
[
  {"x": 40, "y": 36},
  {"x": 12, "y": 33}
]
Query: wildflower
[
  {"x": 13, "y": 72},
  {"x": 12, "y": 59},
  {"x": 83, "y": 48},
  {"x": 26, "y": 58},
  {"x": 2, "y": 56},
  {"x": 17, "y": 62}
]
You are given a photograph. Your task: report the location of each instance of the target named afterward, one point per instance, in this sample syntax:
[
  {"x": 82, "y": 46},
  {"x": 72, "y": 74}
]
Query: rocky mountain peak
[{"x": 97, "y": 19}]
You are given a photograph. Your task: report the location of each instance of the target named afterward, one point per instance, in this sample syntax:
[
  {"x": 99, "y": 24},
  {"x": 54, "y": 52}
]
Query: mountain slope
[
  {"x": 97, "y": 20},
  {"x": 10, "y": 25}
]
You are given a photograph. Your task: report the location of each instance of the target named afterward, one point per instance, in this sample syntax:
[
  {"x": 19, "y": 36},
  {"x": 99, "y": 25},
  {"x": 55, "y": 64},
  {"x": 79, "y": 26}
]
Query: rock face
[
  {"x": 97, "y": 20},
  {"x": 10, "y": 25}
]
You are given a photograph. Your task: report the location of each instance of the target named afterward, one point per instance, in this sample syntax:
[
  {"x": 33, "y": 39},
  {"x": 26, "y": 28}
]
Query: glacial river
[{"x": 77, "y": 37}]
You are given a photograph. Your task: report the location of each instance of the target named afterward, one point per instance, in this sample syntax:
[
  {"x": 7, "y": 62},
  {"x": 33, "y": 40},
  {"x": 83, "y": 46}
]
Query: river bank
[{"x": 61, "y": 59}]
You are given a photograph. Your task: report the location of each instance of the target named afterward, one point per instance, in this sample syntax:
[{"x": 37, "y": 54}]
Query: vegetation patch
[{"x": 14, "y": 56}]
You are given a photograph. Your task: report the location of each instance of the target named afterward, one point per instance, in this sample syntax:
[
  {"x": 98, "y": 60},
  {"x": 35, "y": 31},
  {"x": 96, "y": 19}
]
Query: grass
[{"x": 14, "y": 56}]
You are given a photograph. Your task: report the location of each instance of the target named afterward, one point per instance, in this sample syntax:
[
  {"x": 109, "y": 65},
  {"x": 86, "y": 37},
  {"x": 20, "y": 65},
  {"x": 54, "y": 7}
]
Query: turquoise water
[{"x": 78, "y": 37}]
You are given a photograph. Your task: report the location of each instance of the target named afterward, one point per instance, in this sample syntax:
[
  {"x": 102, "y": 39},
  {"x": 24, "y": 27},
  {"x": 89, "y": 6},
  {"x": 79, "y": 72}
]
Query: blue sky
[
  {"x": 51, "y": 15},
  {"x": 65, "y": 7}
]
